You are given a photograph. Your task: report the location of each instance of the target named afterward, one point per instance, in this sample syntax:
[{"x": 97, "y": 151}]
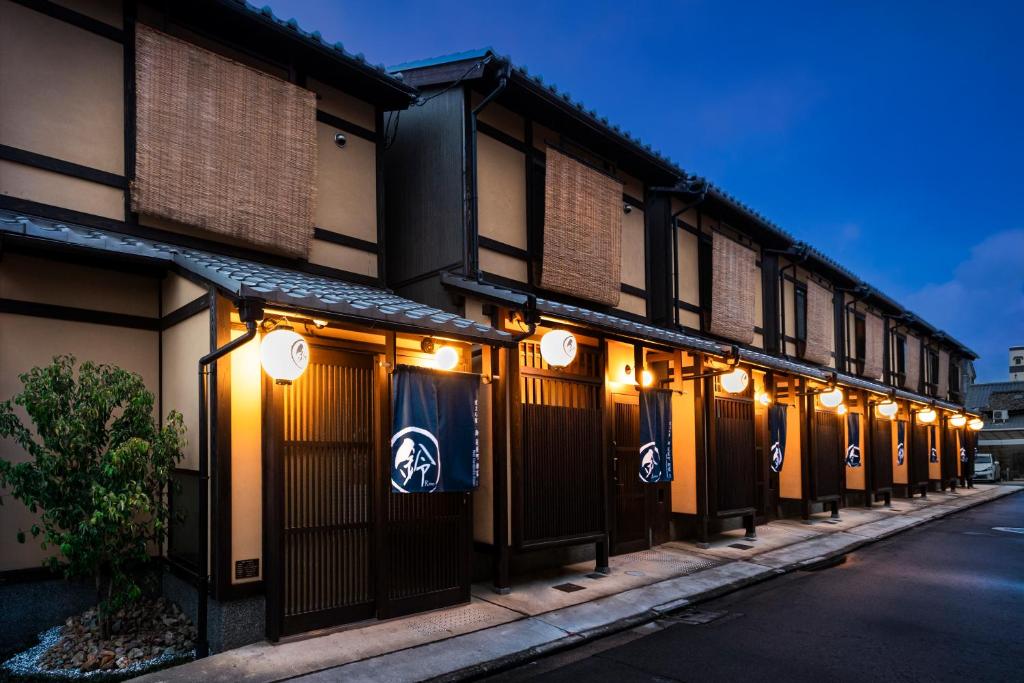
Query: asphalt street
[{"x": 944, "y": 601}]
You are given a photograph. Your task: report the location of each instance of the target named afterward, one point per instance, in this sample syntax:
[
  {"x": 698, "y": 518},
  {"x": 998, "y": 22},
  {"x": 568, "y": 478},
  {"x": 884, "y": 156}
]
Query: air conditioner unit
[{"x": 1000, "y": 416}]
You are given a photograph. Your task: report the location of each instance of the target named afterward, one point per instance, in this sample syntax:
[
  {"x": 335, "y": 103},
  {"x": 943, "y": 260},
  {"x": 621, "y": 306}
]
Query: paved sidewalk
[{"x": 495, "y": 631}]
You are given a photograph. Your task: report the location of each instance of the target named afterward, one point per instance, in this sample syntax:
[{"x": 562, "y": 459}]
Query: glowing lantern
[
  {"x": 976, "y": 424},
  {"x": 284, "y": 354},
  {"x": 763, "y": 398},
  {"x": 927, "y": 416},
  {"x": 958, "y": 420},
  {"x": 831, "y": 399},
  {"x": 646, "y": 378},
  {"x": 735, "y": 382},
  {"x": 842, "y": 409},
  {"x": 888, "y": 409},
  {"x": 558, "y": 348},
  {"x": 445, "y": 358}
]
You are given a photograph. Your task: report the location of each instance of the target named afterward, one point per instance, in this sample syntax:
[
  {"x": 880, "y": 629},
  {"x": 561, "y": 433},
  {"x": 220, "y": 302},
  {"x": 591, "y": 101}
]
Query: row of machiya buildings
[{"x": 516, "y": 336}]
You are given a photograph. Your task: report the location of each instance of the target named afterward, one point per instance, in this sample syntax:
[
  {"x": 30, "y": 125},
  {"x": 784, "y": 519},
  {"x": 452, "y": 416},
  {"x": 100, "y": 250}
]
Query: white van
[{"x": 986, "y": 468}]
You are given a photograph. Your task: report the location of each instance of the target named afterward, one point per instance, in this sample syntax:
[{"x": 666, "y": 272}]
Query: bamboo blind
[
  {"x": 874, "y": 346},
  {"x": 913, "y": 363},
  {"x": 582, "y": 253},
  {"x": 733, "y": 269},
  {"x": 222, "y": 146},
  {"x": 943, "y": 386},
  {"x": 818, "y": 348}
]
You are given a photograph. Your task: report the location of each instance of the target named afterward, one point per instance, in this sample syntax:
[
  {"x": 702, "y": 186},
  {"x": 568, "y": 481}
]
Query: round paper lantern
[
  {"x": 284, "y": 355},
  {"x": 735, "y": 382},
  {"x": 888, "y": 408},
  {"x": 958, "y": 420},
  {"x": 558, "y": 348},
  {"x": 976, "y": 424},
  {"x": 831, "y": 399},
  {"x": 446, "y": 358},
  {"x": 927, "y": 416}
]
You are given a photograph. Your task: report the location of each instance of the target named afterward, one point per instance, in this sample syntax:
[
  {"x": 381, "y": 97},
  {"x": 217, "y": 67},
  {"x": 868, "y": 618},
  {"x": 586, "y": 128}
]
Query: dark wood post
[
  {"x": 273, "y": 504},
  {"x": 502, "y": 374}
]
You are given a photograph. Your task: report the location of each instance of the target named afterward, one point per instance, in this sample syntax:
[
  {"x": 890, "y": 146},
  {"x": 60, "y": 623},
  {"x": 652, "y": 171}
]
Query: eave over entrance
[
  {"x": 629, "y": 329},
  {"x": 239, "y": 278}
]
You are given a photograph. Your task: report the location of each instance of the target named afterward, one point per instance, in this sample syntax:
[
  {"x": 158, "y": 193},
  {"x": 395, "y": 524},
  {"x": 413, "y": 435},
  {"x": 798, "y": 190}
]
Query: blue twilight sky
[{"x": 888, "y": 135}]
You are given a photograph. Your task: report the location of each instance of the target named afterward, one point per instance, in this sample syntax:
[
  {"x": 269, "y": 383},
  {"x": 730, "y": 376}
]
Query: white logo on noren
[
  {"x": 417, "y": 465},
  {"x": 650, "y": 463}
]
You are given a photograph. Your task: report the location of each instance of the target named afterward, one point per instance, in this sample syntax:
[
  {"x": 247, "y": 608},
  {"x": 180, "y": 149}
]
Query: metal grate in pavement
[
  {"x": 449, "y": 621},
  {"x": 569, "y": 587}
]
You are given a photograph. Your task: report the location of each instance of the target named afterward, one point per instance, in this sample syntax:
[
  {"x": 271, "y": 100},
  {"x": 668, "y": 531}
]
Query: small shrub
[{"x": 98, "y": 471}]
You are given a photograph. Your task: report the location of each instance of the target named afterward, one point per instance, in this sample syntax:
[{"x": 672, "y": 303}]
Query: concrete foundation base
[{"x": 231, "y": 624}]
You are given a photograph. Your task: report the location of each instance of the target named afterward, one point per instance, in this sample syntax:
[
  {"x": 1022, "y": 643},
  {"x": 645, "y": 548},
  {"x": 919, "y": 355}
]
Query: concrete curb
[{"x": 572, "y": 640}]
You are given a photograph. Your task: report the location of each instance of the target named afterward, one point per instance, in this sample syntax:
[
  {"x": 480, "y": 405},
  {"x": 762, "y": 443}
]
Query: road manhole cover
[
  {"x": 568, "y": 587},
  {"x": 696, "y": 617}
]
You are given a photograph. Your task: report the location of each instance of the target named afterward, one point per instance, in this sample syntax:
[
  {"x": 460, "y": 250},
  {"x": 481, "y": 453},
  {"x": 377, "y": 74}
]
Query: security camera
[
  {"x": 340, "y": 140},
  {"x": 627, "y": 209}
]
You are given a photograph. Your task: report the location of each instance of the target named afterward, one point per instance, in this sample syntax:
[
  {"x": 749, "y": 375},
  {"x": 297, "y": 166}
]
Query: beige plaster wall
[
  {"x": 687, "y": 267},
  {"x": 343, "y": 257},
  {"x": 503, "y": 265},
  {"x": 178, "y": 291},
  {"x": 27, "y": 342},
  {"x": 339, "y": 103},
  {"x": 39, "y": 280},
  {"x": 346, "y": 198},
  {"x": 47, "y": 187},
  {"x": 632, "y": 304},
  {"x": 501, "y": 173},
  {"x": 246, "y": 454},
  {"x": 634, "y": 252},
  {"x": 183, "y": 346},
  {"x": 62, "y": 89}
]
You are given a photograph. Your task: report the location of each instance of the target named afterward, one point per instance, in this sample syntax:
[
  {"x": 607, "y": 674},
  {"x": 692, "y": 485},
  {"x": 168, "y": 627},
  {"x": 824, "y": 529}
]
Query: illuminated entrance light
[
  {"x": 735, "y": 382},
  {"x": 958, "y": 420},
  {"x": 284, "y": 354},
  {"x": 831, "y": 399},
  {"x": 763, "y": 398},
  {"x": 558, "y": 348},
  {"x": 927, "y": 416},
  {"x": 445, "y": 358},
  {"x": 976, "y": 424},
  {"x": 842, "y": 409},
  {"x": 888, "y": 408},
  {"x": 646, "y": 378}
]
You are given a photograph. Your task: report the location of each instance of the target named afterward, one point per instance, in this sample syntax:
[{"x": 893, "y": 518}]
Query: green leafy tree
[{"x": 98, "y": 471}]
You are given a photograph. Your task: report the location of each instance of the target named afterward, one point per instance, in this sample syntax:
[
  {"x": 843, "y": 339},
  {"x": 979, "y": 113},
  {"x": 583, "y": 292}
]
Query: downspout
[
  {"x": 250, "y": 312},
  {"x": 474, "y": 199}
]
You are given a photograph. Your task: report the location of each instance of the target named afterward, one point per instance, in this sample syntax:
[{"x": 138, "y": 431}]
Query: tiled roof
[
  {"x": 978, "y": 395},
  {"x": 314, "y": 39},
  {"x": 552, "y": 91},
  {"x": 672, "y": 338},
  {"x": 242, "y": 278}
]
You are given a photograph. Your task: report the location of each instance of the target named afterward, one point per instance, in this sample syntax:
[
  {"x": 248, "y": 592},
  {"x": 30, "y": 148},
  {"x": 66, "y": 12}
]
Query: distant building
[
  {"x": 1002, "y": 406},
  {"x": 1017, "y": 363}
]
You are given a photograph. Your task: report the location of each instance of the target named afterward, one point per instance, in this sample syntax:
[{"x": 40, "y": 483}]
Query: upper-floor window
[
  {"x": 954, "y": 377},
  {"x": 800, "y": 316},
  {"x": 932, "y": 369},
  {"x": 900, "y": 365},
  {"x": 860, "y": 343}
]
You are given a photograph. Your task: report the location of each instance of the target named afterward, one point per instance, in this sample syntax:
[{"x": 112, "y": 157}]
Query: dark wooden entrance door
[
  {"x": 827, "y": 464},
  {"x": 427, "y": 551},
  {"x": 630, "y": 531},
  {"x": 734, "y": 473},
  {"x": 881, "y": 455},
  {"x": 918, "y": 466},
  {"x": 340, "y": 546},
  {"x": 557, "y": 468},
  {"x": 949, "y": 456},
  {"x": 327, "y": 530}
]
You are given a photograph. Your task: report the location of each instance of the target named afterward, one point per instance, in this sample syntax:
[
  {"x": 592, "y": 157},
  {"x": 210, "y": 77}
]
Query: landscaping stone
[{"x": 149, "y": 634}]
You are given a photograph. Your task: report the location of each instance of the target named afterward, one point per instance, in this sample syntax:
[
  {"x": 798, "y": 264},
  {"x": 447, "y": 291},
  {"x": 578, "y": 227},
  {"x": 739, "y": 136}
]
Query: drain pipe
[
  {"x": 472, "y": 205},
  {"x": 250, "y": 311}
]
